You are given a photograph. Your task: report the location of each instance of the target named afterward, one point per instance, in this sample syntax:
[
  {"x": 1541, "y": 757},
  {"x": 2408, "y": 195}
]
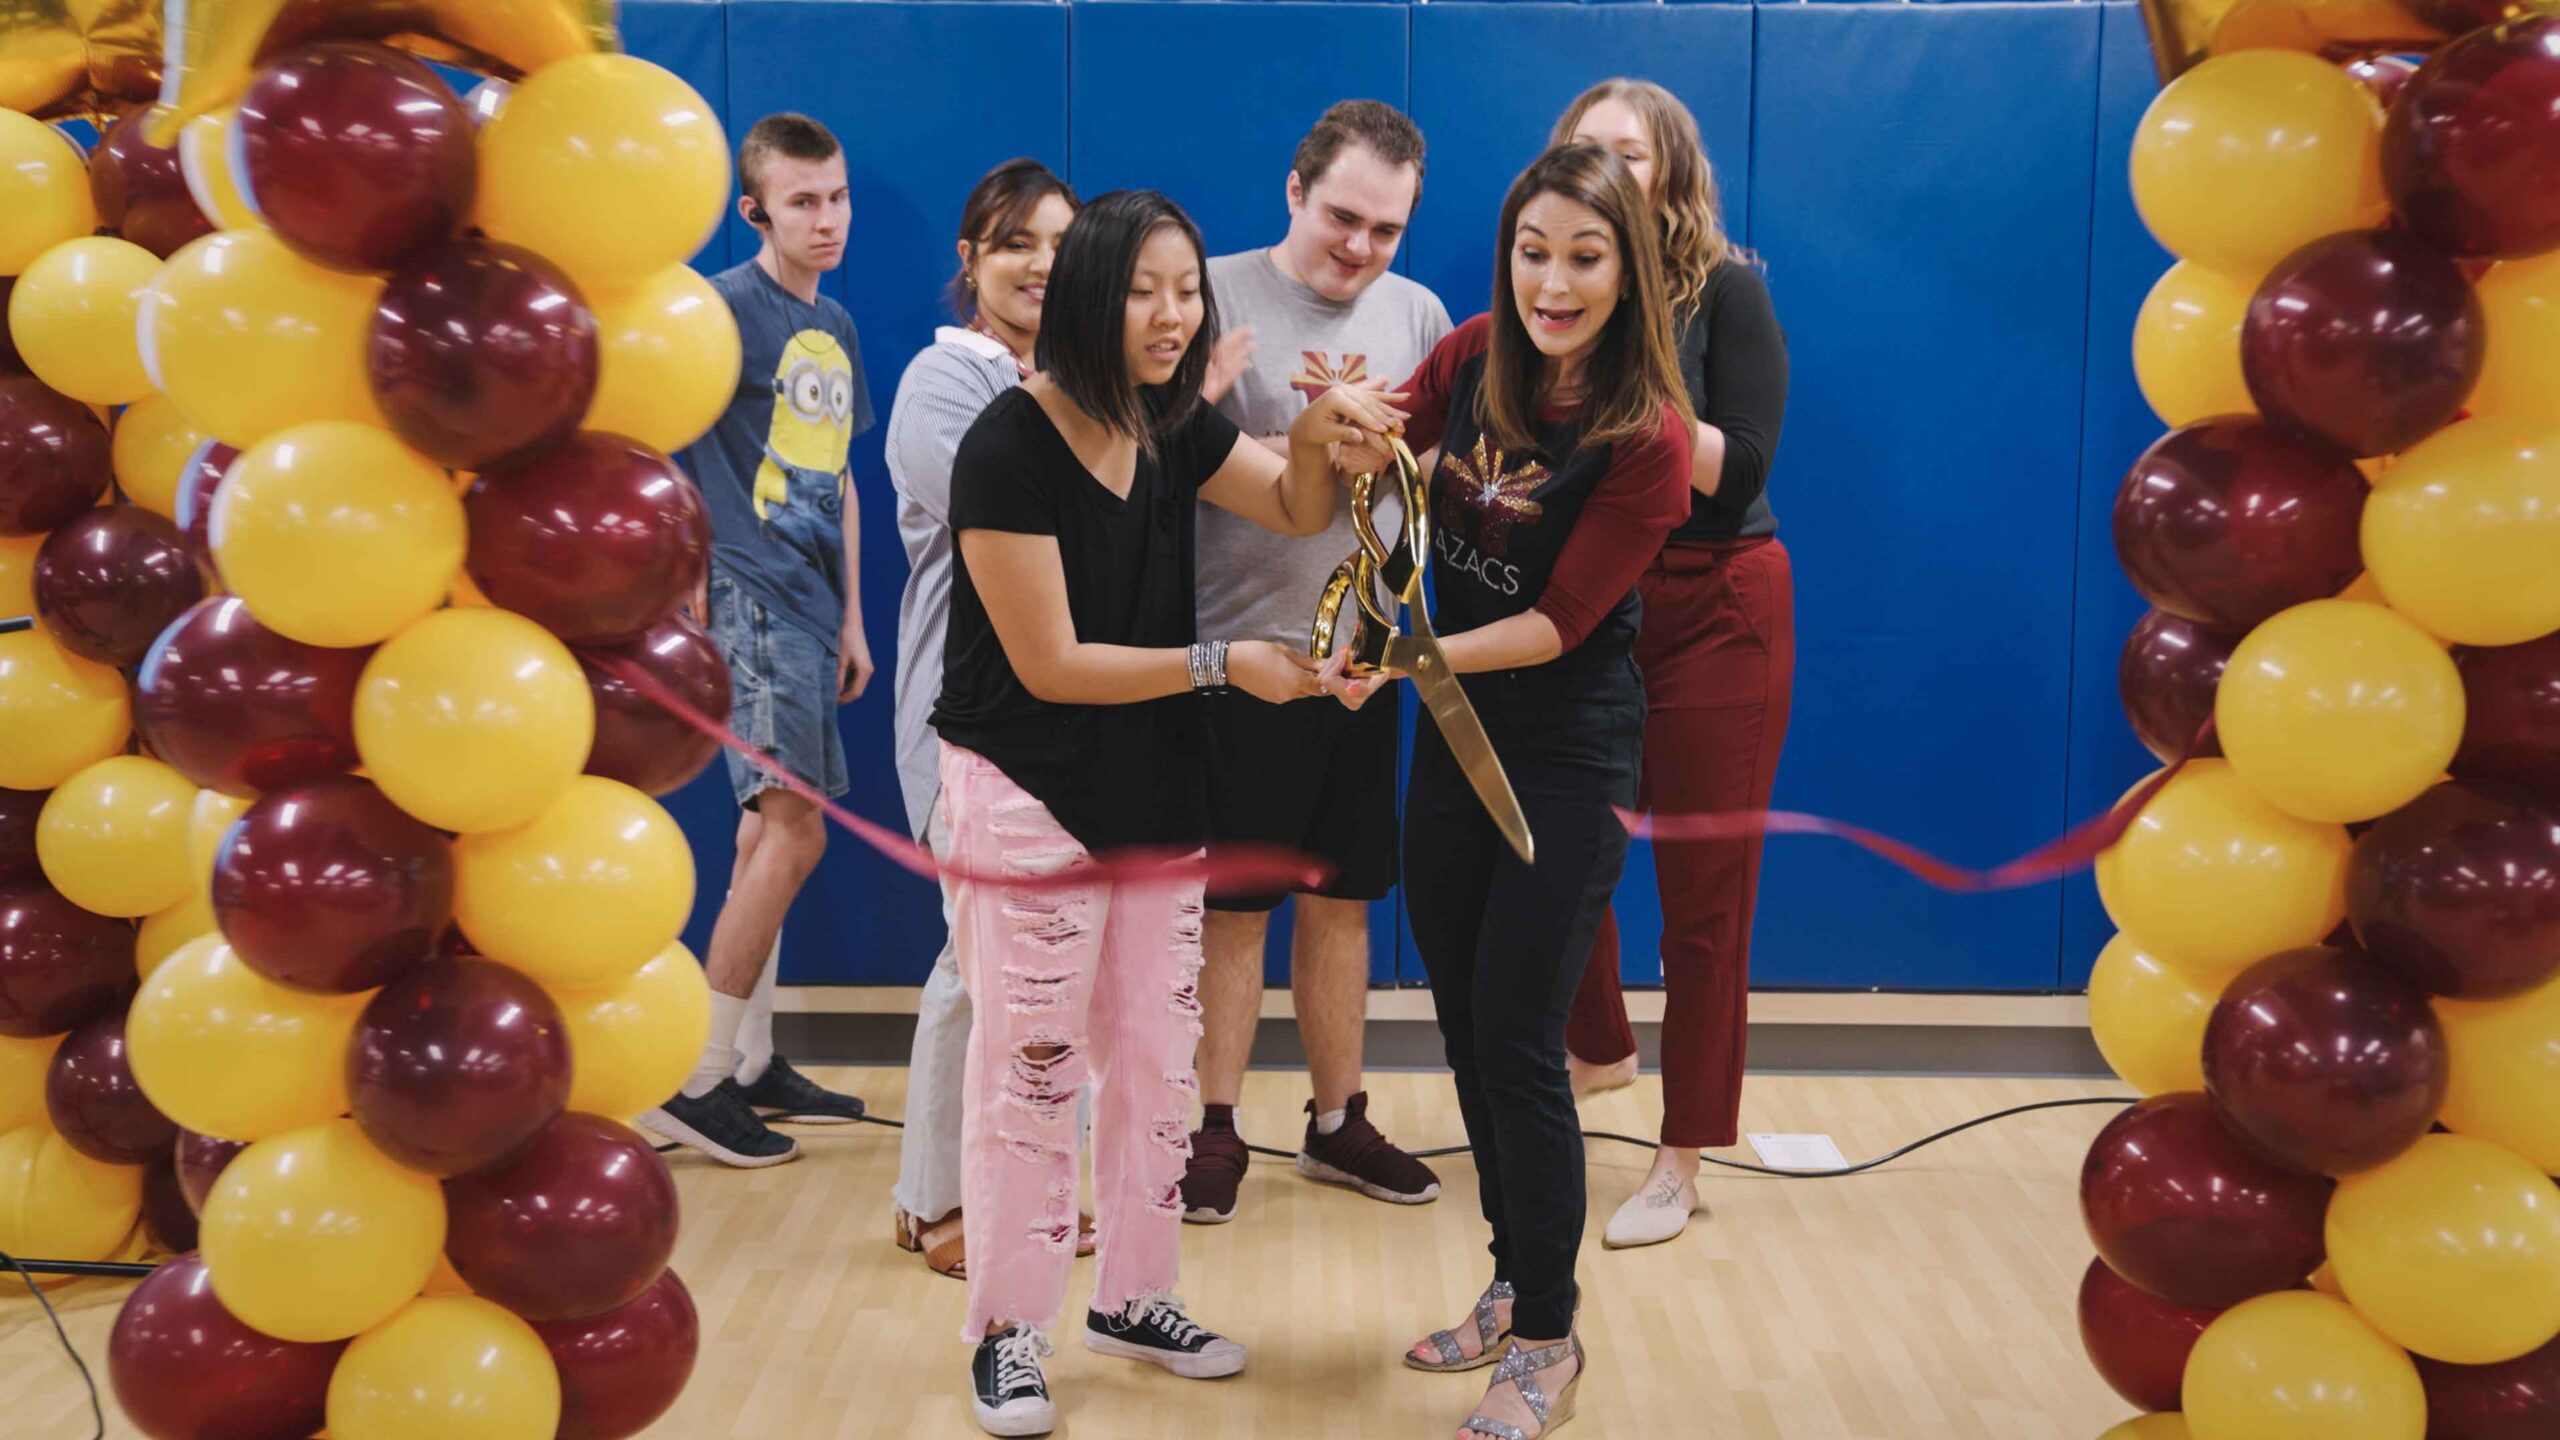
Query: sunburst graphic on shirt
[
  {"x": 1497, "y": 489},
  {"x": 1316, "y": 373}
]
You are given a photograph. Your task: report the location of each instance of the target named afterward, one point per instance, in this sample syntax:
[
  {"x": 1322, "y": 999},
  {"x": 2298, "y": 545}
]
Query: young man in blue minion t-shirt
[{"x": 784, "y": 604}]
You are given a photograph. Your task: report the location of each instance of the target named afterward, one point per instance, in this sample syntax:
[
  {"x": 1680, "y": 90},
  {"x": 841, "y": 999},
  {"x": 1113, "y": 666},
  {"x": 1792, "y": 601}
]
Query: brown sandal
[{"x": 950, "y": 1255}]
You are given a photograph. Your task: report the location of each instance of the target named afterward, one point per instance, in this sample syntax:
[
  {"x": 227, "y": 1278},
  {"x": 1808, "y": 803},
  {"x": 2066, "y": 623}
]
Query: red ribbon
[{"x": 1249, "y": 869}]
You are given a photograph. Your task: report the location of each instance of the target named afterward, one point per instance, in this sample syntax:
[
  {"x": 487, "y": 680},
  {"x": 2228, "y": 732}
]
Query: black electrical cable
[{"x": 96, "y": 1412}]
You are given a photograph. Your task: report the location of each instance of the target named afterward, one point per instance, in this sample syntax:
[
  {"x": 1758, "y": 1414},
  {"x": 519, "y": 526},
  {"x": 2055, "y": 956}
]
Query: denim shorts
[{"x": 783, "y": 686}]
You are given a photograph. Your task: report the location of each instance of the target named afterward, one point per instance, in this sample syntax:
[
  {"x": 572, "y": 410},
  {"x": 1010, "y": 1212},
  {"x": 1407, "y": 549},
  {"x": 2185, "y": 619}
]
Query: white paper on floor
[{"x": 1798, "y": 1152}]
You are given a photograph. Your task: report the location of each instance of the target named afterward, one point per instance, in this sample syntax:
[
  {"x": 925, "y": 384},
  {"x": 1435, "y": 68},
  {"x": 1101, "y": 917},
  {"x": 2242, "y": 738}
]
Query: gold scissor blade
[{"x": 1419, "y": 655}]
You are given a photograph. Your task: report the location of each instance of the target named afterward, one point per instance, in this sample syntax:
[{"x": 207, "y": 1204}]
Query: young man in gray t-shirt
[{"x": 1318, "y": 309}]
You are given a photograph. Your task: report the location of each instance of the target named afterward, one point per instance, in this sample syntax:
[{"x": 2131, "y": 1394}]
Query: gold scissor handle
[{"x": 1357, "y": 578}]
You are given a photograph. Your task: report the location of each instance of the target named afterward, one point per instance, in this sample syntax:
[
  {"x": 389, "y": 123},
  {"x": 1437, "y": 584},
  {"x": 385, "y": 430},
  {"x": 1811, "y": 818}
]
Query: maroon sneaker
[
  {"x": 1359, "y": 1157},
  {"x": 1209, "y": 1183}
]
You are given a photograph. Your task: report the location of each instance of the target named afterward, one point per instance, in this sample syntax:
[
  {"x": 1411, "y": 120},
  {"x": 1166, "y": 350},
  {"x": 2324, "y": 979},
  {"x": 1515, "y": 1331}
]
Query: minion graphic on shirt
[{"x": 812, "y": 429}]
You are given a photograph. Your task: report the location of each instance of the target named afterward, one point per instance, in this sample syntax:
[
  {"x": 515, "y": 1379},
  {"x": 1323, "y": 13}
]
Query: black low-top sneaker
[
  {"x": 1157, "y": 1332},
  {"x": 782, "y": 1093},
  {"x": 723, "y": 1126},
  {"x": 1009, "y": 1393}
]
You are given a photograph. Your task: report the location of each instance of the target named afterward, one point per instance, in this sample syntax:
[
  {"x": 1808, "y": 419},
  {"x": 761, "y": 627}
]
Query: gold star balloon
[
  {"x": 61, "y": 59},
  {"x": 218, "y": 44},
  {"x": 2186, "y": 32}
]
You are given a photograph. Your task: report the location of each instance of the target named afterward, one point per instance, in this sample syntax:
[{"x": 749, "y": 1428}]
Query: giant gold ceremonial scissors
[{"x": 1377, "y": 643}]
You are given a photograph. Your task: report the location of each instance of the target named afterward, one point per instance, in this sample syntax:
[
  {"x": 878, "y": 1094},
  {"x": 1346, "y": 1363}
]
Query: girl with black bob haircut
[
  {"x": 1564, "y": 432},
  {"x": 1067, "y": 729}
]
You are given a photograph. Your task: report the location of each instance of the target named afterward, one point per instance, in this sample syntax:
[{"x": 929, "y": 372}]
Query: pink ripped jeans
[{"x": 1100, "y": 983}]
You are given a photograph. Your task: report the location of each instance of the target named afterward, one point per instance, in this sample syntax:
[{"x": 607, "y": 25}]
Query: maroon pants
[{"x": 1718, "y": 652}]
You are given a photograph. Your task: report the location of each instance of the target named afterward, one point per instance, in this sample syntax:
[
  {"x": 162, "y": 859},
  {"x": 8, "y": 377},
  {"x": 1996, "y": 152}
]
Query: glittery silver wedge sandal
[
  {"x": 1489, "y": 1333},
  {"x": 1520, "y": 1369}
]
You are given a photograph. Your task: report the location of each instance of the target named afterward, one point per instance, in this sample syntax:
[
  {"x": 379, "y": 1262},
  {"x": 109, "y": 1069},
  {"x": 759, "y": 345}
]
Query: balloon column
[
  {"x": 2338, "y": 972},
  {"x": 337, "y": 919}
]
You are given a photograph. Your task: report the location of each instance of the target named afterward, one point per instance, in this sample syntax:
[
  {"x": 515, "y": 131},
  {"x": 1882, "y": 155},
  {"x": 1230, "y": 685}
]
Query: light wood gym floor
[{"x": 1932, "y": 1298}]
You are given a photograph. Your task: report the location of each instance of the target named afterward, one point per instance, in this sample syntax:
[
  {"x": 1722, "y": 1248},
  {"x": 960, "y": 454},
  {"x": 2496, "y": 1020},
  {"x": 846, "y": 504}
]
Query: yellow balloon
[
  {"x": 165, "y": 931},
  {"x": 44, "y": 191},
  {"x": 608, "y": 166},
  {"x": 249, "y": 338},
  {"x": 72, "y": 317},
  {"x": 153, "y": 444},
  {"x": 474, "y": 720},
  {"x": 2325, "y": 1280},
  {"x": 315, "y": 1235},
  {"x": 18, "y": 574},
  {"x": 446, "y": 1366},
  {"x": 2247, "y": 157},
  {"x": 2213, "y": 879},
  {"x": 584, "y": 895},
  {"x": 2149, "y": 1019},
  {"x": 2186, "y": 344},
  {"x": 211, "y": 820},
  {"x": 2339, "y": 711},
  {"x": 670, "y": 360},
  {"x": 223, "y": 1050},
  {"x": 204, "y": 157},
  {"x": 337, "y": 534},
  {"x": 113, "y": 838},
  {"x": 2520, "y": 301},
  {"x": 59, "y": 714},
  {"x": 446, "y": 1280},
  {"x": 2171, "y": 1426},
  {"x": 2506, "y": 1073},
  {"x": 632, "y": 1045},
  {"x": 60, "y": 1204},
  {"x": 2460, "y": 533},
  {"x": 23, "y": 1064},
  {"x": 2297, "y": 1365},
  {"x": 2452, "y": 1250}
]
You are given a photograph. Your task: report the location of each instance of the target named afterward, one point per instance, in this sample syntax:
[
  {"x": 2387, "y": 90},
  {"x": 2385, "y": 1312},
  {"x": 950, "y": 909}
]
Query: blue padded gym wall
[{"x": 1937, "y": 192}]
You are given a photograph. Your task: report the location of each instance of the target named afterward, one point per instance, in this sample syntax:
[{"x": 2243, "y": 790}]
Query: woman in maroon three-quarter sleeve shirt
[{"x": 1564, "y": 436}]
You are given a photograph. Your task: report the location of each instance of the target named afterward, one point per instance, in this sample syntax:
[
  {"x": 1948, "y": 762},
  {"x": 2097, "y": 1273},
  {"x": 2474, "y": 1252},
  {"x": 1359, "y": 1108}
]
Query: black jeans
[{"x": 1505, "y": 943}]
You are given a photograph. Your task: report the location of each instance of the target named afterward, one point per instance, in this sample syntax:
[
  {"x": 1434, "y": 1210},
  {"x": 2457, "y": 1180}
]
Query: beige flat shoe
[
  {"x": 1589, "y": 1079},
  {"x": 1658, "y": 1212}
]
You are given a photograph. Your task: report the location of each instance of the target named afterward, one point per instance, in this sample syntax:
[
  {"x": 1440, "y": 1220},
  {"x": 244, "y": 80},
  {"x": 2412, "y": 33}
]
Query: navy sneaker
[
  {"x": 1156, "y": 1331},
  {"x": 1008, "y": 1392},
  {"x": 723, "y": 1126},
  {"x": 782, "y": 1093}
]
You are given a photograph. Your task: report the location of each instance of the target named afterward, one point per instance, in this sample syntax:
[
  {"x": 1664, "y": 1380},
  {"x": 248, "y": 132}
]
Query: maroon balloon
[
  {"x": 481, "y": 351},
  {"x": 596, "y": 540},
  {"x": 2370, "y": 339},
  {"x": 109, "y": 580},
  {"x": 200, "y": 1161},
  {"x": 2229, "y": 520},
  {"x": 165, "y": 1211},
  {"x": 639, "y": 743},
  {"x": 456, "y": 1065},
  {"x": 2169, "y": 674},
  {"x": 2517, "y": 1400},
  {"x": 11, "y": 362},
  {"x": 60, "y": 966},
  {"x": 2459, "y": 891},
  {"x": 2183, "y": 1207},
  {"x": 141, "y": 191},
  {"x": 54, "y": 457},
  {"x": 2384, "y": 75},
  {"x": 93, "y": 1101},
  {"x": 18, "y": 812},
  {"x": 329, "y": 886},
  {"x": 236, "y": 707},
  {"x": 2326, "y": 1060},
  {"x": 2138, "y": 1341},
  {"x": 621, "y": 1370},
  {"x": 184, "y": 1368},
  {"x": 194, "y": 510},
  {"x": 580, "y": 1222},
  {"x": 2511, "y": 729},
  {"x": 355, "y": 154},
  {"x": 2473, "y": 141}
]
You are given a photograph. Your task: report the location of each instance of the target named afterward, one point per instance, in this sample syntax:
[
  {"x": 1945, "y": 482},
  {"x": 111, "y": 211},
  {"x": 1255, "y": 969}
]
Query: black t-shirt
[
  {"x": 1734, "y": 356},
  {"x": 1113, "y": 775}
]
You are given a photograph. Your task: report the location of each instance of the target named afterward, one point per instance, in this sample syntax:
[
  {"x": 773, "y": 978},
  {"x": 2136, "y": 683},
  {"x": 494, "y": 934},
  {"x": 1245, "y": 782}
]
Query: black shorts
[{"x": 1312, "y": 776}]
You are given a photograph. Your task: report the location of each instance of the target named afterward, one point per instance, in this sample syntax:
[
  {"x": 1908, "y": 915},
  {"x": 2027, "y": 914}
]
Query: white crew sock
[
  {"x": 755, "y": 1026},
  {"x": 1330, "y": 1121},
  {"x": 720, "y": 1052}
]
